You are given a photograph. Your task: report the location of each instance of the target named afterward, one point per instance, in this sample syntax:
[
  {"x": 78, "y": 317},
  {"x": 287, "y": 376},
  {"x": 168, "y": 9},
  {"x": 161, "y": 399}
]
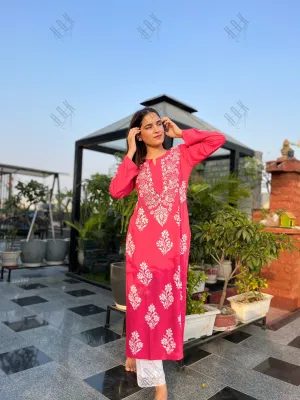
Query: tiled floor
[{"x": 54, "y": 345}]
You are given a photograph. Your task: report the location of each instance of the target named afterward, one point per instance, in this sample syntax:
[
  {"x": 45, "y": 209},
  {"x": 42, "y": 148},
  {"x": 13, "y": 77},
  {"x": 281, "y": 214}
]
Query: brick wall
[
  {"x": 283, "y": 275},
  {"x": 285, "y": 193}
]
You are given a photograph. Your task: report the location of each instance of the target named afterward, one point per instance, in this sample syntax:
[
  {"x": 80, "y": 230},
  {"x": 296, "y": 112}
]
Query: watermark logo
[
  {"x": 151, "y": 27},
  {"x": 238, "y": 115},
  {"x": 237, "y": 27},
  {"x": 65, "y": 114},
  {"x": 63, "y": 28}
]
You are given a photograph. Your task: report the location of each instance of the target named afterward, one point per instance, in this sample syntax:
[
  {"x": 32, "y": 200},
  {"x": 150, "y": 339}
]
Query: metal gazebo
[{"x": 112, "y": 139}]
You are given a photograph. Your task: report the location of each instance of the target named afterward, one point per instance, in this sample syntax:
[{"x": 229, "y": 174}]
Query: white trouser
[{"x": 150, "y": 373}]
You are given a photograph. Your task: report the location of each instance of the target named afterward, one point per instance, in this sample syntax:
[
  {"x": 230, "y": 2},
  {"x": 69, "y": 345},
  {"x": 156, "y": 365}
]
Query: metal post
[
  {"x": 60, "y": 210},
  {"x": 75, "y": 205},
  {"x": 234, "y": 161}
]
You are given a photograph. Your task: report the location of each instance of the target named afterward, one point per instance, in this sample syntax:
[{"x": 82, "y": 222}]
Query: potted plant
[
  {"x": 250, "y": 303},
  {"x": 31, "y": 194},
  {"x": 211, "y": 269},
  {"x": 200, "y": 317},
  {"x": 87, "y": 230},
  {"x": 230, "y": 233},
  {"x": 9, "y": 254},
  {"x": 202, "y": 276},
  {"x": 123, "y": 210}
]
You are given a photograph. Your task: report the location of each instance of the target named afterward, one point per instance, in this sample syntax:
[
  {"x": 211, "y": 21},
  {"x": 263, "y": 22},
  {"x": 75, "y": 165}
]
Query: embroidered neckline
[
  {"x": 160, "y": 204},
  {"x": 159, "y": 157}
]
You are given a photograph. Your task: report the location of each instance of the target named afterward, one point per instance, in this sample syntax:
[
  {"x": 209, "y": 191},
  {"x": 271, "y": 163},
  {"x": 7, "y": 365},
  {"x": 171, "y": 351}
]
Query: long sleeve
[
  {"x": 123, "y": 182},
  {"x": 198, "y": 145}
]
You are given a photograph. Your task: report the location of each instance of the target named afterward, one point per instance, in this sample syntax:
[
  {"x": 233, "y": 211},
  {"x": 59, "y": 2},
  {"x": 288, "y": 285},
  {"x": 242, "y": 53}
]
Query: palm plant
[{"x": 89, "y": 229}]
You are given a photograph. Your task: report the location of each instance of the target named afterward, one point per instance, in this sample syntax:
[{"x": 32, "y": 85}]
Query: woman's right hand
[{"x": 131, "y": 141}]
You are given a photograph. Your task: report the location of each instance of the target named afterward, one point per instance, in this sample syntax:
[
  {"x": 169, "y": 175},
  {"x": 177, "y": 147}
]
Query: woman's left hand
[{"x": 173, "y": 130}]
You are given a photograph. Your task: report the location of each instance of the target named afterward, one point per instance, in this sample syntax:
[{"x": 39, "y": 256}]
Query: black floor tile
[
  {"x": 31, "y": 286},
  {"x": 80, "y": 293},
  {"x": 29, "y": 301},
  {"x": 295, "y": 342},
  {"x": 279, "y": 369},
  {"x": 22, "y": 359},
  {"x": 231, "y": 394},
  {"x": 73, "y": 281},
  {"x": 115, "y": 384},
  {"x": 193, "y": 355},
  {"x": 97, "y": 336},
  {"x": 26, "y": 323},
  {"x": 89, "y": 309},
  {"x": 237, "y": 337}
]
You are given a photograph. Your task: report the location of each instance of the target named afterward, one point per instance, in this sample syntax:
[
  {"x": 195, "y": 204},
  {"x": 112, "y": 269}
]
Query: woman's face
[{"x": 152, "y": 130}]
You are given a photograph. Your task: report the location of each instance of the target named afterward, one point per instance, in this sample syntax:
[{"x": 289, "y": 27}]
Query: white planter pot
[
  {"x": 10, "y": 258},
  {"x": 246, "y": 312},
  {"x": 211, "y": 272},
  {"x": 224, "y": 271},
  {"x": 199, "y": 325},
  {"x": 80, "y": 257},
  {"x": 200, "y": 287}
]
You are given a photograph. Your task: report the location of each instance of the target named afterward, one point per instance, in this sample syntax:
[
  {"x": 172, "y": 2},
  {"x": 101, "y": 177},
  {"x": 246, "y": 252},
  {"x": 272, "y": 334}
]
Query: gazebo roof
[{"x": 112, "y": 138}]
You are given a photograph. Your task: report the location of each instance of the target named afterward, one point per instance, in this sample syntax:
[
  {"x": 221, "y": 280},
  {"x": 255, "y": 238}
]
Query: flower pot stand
[
  {"x": 10, "y": 269},
  {"x": 115, "y": 308},
  {"x": 9, "y": 272},
  {"x": 190, "y": 344}
]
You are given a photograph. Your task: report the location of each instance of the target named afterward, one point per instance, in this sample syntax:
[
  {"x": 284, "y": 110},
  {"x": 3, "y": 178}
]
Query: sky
[{"x": 104, "y": 68}]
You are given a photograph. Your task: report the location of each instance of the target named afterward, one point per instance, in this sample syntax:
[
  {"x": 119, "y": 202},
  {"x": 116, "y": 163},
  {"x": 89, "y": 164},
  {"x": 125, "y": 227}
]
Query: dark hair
[{"x": 136, "y": 122}]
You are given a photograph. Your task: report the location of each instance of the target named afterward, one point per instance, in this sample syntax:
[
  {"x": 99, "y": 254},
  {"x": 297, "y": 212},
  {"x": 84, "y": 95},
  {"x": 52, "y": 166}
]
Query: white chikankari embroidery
[
  {"x": 177, "y": 217},
  {"x": 182, "y": 192},
  {"x": 166, "y": 297},
  {"x": 183, "y": 244},
  {"x": 135, "y": 343},
  {"x": 164, "y": 243},
  {"x": 179, "y": 319},
  {"x": 161, "y": 215},
  {"x": 130, "y": 246},
  {"x": 145, "y": 275},
  {"x": 141, "y": 219},
  {"x": 152, "y": 318},
  {"x": 134, "y": 298},
  {"x": 177, "y": 279},
  {"x": 168, "y": 341},
  {"x": 161, "y": 204}
]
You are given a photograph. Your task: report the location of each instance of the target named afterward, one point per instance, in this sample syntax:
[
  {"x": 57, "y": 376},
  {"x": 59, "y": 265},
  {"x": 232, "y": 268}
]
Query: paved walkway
[{"x": 53, "y": 345}]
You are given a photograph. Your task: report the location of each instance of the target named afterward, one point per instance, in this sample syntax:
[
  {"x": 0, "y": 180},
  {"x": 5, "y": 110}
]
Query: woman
[{"x": 158, "y": 240}]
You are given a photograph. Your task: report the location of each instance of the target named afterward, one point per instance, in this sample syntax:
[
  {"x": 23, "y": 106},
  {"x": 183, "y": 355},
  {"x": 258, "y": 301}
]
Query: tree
[
  {"x": 230, "y": 233},
  {"x": 31, "y": 193}
]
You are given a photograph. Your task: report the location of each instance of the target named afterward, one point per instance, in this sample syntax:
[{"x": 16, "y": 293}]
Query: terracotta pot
[{"x": 225, "y": 321}]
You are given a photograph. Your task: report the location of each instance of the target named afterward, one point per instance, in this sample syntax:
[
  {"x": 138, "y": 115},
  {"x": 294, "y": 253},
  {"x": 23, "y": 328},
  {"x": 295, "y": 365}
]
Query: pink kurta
[{"x": 157, "y": 246}]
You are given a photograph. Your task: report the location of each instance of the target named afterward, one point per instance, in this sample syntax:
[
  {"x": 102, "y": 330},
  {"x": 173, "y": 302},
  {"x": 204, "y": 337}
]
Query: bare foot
[
  {"x": 161, "y": 393},
  {"x": 130, "y": 365}
]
